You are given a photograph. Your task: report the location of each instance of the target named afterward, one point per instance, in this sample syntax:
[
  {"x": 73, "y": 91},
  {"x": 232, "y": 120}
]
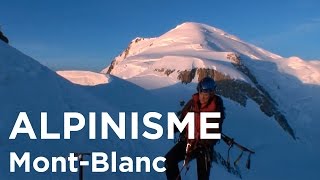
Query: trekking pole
[
  {"x": 80, "y": 157},
  {"x": 179, "y": 175},
  {"x": 186, "y": 160}
]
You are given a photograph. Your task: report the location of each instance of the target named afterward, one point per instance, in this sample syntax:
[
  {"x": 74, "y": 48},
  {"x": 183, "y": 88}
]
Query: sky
[{"x": 88, "y": 35}]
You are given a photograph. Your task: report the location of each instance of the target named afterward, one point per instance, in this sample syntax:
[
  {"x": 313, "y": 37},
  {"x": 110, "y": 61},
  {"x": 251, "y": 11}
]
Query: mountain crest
[{"x": 243, "y": 71}]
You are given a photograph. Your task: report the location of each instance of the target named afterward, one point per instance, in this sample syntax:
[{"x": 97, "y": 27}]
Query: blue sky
[{"x": 89, "y": 34}]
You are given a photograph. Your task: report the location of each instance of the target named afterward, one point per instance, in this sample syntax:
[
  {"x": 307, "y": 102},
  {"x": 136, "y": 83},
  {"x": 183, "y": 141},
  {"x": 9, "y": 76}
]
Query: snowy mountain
[
  {"x": 270, "y": 102},
  {"x": 265, "y": 85},
  {"x": 191, "y": 51}
]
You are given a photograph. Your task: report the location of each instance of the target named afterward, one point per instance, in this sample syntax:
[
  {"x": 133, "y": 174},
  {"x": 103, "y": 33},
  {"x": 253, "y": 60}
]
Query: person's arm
[{"x": 220, "y": 108}]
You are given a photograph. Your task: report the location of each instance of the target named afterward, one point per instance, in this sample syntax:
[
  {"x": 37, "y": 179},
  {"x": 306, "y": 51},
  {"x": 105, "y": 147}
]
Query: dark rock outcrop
[
  {"x": 186, "y": 76},
  {"x": 125, "y": 53},
  {"x": 4, "y": 38},
  {"x": 113, "y": 63},
  {"x": 166, "y": 72},
  {"x": 267, "y": 104}
]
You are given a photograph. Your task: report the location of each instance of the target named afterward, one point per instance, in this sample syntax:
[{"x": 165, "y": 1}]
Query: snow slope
[
  {"x": 27, "y": 86},
  {"x": 84, "y": 77}
]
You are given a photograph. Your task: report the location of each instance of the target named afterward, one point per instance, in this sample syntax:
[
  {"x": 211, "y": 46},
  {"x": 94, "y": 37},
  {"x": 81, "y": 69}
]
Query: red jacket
[{"x": 215, "y": 104}]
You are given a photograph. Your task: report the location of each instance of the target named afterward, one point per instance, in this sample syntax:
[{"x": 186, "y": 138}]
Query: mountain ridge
[{"x": 191, "y": 51}]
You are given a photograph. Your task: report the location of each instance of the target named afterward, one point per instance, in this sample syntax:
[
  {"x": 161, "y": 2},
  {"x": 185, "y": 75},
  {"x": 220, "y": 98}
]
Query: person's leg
[
  {"x": 173, "y": 157},
  {"x": 203, "y": 165}
]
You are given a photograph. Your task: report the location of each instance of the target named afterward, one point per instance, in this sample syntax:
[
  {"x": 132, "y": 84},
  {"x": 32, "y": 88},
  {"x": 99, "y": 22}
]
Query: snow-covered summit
[
  {"x": 190, "y": 40},
  {"x": 189, "y": 45},
  {"x": 243, "y": 71},
  {"x": 214, "y": 39}
]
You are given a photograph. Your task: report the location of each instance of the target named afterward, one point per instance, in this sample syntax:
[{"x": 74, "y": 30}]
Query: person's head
[{"x": 206, "y": 88}]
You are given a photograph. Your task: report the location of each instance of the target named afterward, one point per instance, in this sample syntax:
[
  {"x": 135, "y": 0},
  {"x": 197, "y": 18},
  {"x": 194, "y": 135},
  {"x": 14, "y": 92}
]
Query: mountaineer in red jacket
[{"x": 187, "y": 149}]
